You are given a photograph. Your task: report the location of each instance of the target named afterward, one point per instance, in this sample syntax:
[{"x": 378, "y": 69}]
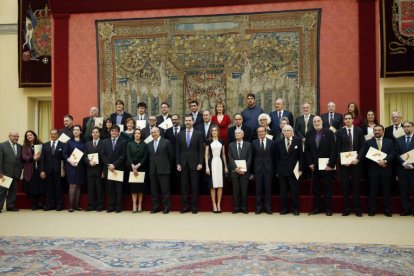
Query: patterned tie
[
  {"x": 349, "y": 139},
  {"x": 306, "y": 123},
  {"x": 53, "y": 147},
  {"x": 330, "y": 119},
  {"x": 14, "y": 150},
  {"x": 188, "y": 138},
  {"x": 280, "y": 115},
  {"x": 379, "y": 144}
]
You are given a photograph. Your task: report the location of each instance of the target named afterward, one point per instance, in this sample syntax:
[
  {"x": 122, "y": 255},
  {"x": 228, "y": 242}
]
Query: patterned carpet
[{"x": 63, "y": 256}]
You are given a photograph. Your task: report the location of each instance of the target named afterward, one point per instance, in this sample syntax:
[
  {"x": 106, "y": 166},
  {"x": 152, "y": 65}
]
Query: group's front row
[{"x": 184, "y": 157}]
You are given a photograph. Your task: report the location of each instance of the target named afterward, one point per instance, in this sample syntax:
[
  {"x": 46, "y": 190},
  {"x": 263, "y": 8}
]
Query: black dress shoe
[
  {"x": 34, "y": 208},
  {"x": 98, "y": 210},
  {"x": 329, "y": 213},
  {"x": 245, "y": 212},
  {"x": 371, "y": 214},
  {"x": 59, "y": 209},
  {"x": 315, "y": 212},
  {"x": 235, "y": 211},
  {"x": 166, "y": 211},
  {"x": 387, "y": 214},
  {"x": 258, "y": 212},
  {"x": 118, "y": 211},
  {"x": 90, "y": 209},
  {"x": 78, "y": 209},
  {"x": 48, "y": 209},
  {"x": 284, "y": 212},
  {"x": 269, "y": 212},
  {"x": 405, "y": 213},
  {"x": 358, "y": 214},
  {"x": 70, "y": 210},
  {"x": 154, "y": 211},
  {"x": 194, "y": 211},
  {"x": 110, "y": 210},
  {"x": 183, "y": 211},
  {"x": 296, "y": 213},
  {"x": 345, "y": 214}
]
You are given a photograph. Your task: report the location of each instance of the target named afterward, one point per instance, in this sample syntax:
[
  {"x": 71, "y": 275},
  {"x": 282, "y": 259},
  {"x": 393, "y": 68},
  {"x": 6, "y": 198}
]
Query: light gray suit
[{"x": 10, "y": 165}]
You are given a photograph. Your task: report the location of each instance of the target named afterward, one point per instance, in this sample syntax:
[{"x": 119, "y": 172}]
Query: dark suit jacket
[
  {"x": 201, "y": 128},
  {"x": 275, "y": 119},
  {"x": 247, "y": 133},
  {"x": 160, "y": 161},
  {"x": 51, "y": 163},
  {"x": 160, "y": 119},
  {"x": 326, "y": 149},
  {"x": 115, "y": 156},
  {"x": 125, "y": 116},
  {"x": 388, "y": 148},
  {"x": 300, "y": 125},
  {"x": 337, "y": 123},
  {"x": 147, "y": 132},
  {"x": 401, "y": 148},
  {"x": 245, "y": 154},
  {"x": 169, "y": 134},
  {"x": 286, "y": 160},
  {"x": 10, "y": 165},
  {"x": 263, "y": 160},
  {"x": 95, "y": 170},
  {"x": 389, "y": 130},
  {"x": 192, "y": 155},
  {"x": 199, "y": 119},
  {"x": 358, "y": 141}
]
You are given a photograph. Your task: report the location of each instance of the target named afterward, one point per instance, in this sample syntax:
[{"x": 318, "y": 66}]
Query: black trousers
[
  {"x": 264, "y": 186},
  {"x": 189, "y": 178},
  {"x": 351, "y": 175},
  {"x": 54, "y": 191},
  {"x": 95, "y": 192},
  {"x": 289, "y": 182},
  {"x": 406, "y": 179},
  {"x": 322, "y": 179},
  {"x": 114, "y": 191},
  {"x": 376, "y": 182},
  {"x": 8, "y": 195},
  {"x": 160, "y": 182},
  {"x": 239, "y": 191}
]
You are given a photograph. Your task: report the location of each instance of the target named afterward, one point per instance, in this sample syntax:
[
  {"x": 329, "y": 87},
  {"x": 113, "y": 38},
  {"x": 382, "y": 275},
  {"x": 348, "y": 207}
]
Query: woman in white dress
[{"x": 216, "y": 166}]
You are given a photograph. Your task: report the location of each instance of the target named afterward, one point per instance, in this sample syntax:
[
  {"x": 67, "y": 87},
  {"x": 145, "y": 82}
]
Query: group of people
[{"x": 258, "y": 147}]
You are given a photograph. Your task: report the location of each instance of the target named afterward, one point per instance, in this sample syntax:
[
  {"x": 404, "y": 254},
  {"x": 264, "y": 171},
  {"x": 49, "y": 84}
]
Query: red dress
[{"x": 224, "y": 126}]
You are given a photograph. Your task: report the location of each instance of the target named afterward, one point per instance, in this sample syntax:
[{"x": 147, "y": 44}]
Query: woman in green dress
[{"x": 136, "y": 156}]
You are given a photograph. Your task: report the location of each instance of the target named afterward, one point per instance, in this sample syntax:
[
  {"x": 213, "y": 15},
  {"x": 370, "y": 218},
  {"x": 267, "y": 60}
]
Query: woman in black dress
[
  {"x": 33, "y": 185},
  {"x": 106, "y": 129},
  {"x": 75, "y": 169},
  {"x": 136, "y": 156}
]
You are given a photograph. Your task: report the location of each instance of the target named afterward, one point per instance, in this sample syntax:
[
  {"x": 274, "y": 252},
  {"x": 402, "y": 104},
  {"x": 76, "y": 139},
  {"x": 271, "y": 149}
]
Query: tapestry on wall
[
  {"x": 34, "y": 43},
  {"x": 209, "y": 59},
  {"x": 397, "y": 38}
]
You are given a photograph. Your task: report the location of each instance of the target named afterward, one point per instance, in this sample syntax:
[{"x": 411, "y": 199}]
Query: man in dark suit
[
  {"x": 332, "y": 119},
  {"x": 238, "y": 123},
  {"x": 10, "y": 165},
  {"x": 197, "y": 116},
  {"x": 303, "y": 123},
  {"x": 205, "y": 127},
  {"x": 240, "y": 150},
  {"x": 89, "y": 123},
  {"x": 380, "y": 172},
  {"x": 263, "y": 169},
  {"x": 405, "y": 170},
  {"x": 350, "y": 138},
  {"x": 320, "y": 143},
  {"x": 190, "y": 156},
  {"x": 279, "y": 113},
  {"x": 165, "y": 110},
  {"x": 94, "y": 169},
  {"x": 119, "y": 116},
  {"x": 113, "y": 158},
  {"x": 288, "y": 152},
  {"x": 161, "y": 157},
  {"x": 152, "y": 122},
  {"x": 67, "y": 126},
  {"x": 392, "y": 131},
  {"x": 172, "y": 134},
  {"x": 50, "y": 168}
]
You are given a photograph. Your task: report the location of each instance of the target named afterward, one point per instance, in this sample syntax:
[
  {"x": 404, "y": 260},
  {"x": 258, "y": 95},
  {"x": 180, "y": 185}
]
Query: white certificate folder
[{"x": 116, "y": 175}]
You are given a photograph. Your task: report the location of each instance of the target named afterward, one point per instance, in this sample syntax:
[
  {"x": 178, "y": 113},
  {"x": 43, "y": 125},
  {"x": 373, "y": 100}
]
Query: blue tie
[
  {"x": 408, "y": 141},
  {"x": 113, "y": 144},
  {"x": 188, "y": 139}
]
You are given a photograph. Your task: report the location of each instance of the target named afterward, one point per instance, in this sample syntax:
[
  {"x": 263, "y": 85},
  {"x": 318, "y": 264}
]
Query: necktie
[
  {"x": 396, "y": 128},
  {"x": 379, "y": 144},
  {"x": 188, "y": 138},
  {"x": 349, "y": 139},
  {"x": 306, "y": 123},
  {"x": 280, "y": 115},
  {"x": 317, "y": 138},
  {"x": 53, "y": 147},
  {"x": 408, "y": 141},
  {"x": 14, "y": 149},
  {"x": 175, "y": 131},
  {"x": 206, "y": 129},
  {"x": 113, "y": 144},
  {"x": 238, "y": 149},
  {"x": 330, "y": 119},
  {"x": 287, "y": 144},
  {"x": 262, "y": 144},
  {"x": 94, "y": 143},
  {"x": 155, "y": 145},
  {"x": 89, "y": 127}
]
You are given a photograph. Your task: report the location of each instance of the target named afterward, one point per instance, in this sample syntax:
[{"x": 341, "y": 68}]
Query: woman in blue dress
[
  {"x": 216, "y": 166},
  {"x": 75, "y": 169}
]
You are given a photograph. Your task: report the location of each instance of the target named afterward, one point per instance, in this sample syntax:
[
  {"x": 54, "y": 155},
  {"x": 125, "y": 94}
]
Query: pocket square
[{"x": 296, "y": 147}]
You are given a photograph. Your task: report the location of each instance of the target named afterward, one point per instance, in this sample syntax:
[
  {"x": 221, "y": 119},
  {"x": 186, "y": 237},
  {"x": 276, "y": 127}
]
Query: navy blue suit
[
  {"x": 337, "y": 122},
  {"x": 275, "y": 119},
  {"x": 379, "y": 176},
  {"x": 405, "y": 176}
]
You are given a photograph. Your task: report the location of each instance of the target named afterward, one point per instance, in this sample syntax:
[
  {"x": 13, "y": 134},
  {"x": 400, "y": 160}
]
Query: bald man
[
  {"x": 10, "y": 165},
  {"x": 89, "y": 123}
]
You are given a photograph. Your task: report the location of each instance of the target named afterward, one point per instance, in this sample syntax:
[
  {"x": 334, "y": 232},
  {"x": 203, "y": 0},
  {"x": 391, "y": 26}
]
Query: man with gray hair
[
  {"x": 10, "y": 165},
  {"x": 89, "y": 123},
  {"x": 395, "y": 130},
  {"x": 279, "y": 113}
]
